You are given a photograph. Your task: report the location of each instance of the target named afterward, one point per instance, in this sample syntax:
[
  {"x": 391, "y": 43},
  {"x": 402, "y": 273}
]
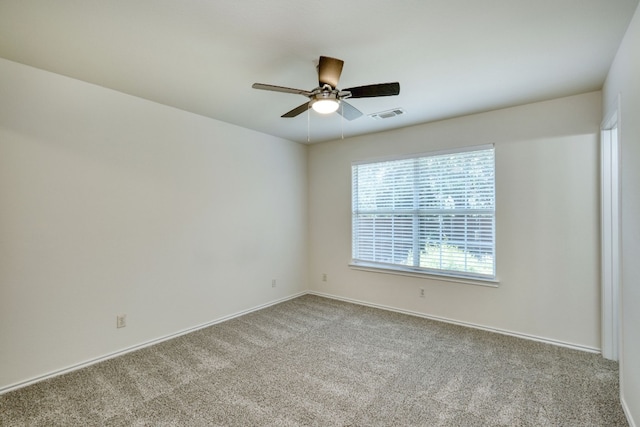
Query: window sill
[{"x": 492, "y": 283}]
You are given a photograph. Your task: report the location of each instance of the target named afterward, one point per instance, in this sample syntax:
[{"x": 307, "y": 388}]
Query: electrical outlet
[
  {"x": 324, "y": 277},
  {"x": 421, "y": 292},
  {"x": 121, "y": 321},
  {"x": 273, "y": 283}
]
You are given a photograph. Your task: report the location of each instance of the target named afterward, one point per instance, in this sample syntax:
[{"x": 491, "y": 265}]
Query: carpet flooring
[{"x": 313, "y": 361}]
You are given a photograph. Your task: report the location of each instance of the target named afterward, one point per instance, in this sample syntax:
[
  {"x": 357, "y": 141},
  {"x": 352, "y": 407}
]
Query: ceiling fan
[{"x": 327, "y": 98}]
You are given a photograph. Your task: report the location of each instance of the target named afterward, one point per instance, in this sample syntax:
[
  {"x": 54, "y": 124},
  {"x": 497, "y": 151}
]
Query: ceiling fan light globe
[{"x": 325, "y": 106}]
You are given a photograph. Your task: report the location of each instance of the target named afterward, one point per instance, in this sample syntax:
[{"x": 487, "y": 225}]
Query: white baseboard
[
  {"x": 90, "y": 362},
  {"x": 87, "y": 363},
  {"x": 460, "y": 323},
  {"x": 627, "y": 412}
]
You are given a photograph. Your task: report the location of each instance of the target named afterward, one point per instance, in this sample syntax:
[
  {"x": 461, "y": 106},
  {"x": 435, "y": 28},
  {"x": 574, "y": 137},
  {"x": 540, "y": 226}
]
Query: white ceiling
[{"x": 451, "y": 57}]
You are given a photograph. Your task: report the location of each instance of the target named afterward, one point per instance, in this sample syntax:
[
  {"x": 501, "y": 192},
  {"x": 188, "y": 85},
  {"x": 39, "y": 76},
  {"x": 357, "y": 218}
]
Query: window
[{"x": 429, "y": 214}]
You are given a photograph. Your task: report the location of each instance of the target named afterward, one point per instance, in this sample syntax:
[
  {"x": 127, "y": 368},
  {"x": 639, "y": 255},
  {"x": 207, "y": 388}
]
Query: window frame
[{"x": 422, "y": 272}]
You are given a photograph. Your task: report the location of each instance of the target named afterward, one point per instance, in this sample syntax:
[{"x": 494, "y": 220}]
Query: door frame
[{"x": 610, "y": 232}]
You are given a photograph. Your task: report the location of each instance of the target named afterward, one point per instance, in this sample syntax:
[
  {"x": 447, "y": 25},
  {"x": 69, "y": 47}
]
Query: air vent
[{"x": 387, "y": 114}]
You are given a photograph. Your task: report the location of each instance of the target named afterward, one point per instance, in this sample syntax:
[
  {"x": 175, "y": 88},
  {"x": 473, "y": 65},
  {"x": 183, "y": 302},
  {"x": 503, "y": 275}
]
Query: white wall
[
  {"x": 111, "y": 204},
  {"x": 623, "y": 80},
  {"x": 547, "y": 191}
]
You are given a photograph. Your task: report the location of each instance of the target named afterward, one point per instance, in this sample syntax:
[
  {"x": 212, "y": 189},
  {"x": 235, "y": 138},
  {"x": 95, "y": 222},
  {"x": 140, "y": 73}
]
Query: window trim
[
  {"x": 441, "y": 275},
  {"x": 421, "y": 274},
  {"x": 391, "y": 158}
]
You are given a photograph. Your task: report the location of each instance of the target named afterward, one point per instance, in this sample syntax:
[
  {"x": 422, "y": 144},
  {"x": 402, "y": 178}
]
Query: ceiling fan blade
[
  {"x": 298, "y": 110},
  {"x": 281, "y": 89},
  {"x": 371, "y": 91},
  {"x": 329, "y": 70},
  {"x": 348, "y": 111}
]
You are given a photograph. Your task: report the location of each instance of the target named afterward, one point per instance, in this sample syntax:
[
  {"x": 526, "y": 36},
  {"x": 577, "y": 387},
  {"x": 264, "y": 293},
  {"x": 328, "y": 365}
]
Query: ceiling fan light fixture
[{"x": 325, "y": 106}]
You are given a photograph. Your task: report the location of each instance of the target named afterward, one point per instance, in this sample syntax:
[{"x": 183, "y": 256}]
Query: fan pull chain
[
  {"x": 342, "y": 120},
  {"x": 308, "y": 125}
]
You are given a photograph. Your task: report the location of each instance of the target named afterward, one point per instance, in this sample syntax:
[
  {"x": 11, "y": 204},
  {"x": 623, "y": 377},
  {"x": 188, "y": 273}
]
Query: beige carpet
[{"x": 320, "y": 362}]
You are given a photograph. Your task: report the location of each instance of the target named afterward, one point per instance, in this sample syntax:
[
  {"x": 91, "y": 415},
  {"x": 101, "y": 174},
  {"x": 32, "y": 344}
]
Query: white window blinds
[{"x": 434, "y": 213}]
